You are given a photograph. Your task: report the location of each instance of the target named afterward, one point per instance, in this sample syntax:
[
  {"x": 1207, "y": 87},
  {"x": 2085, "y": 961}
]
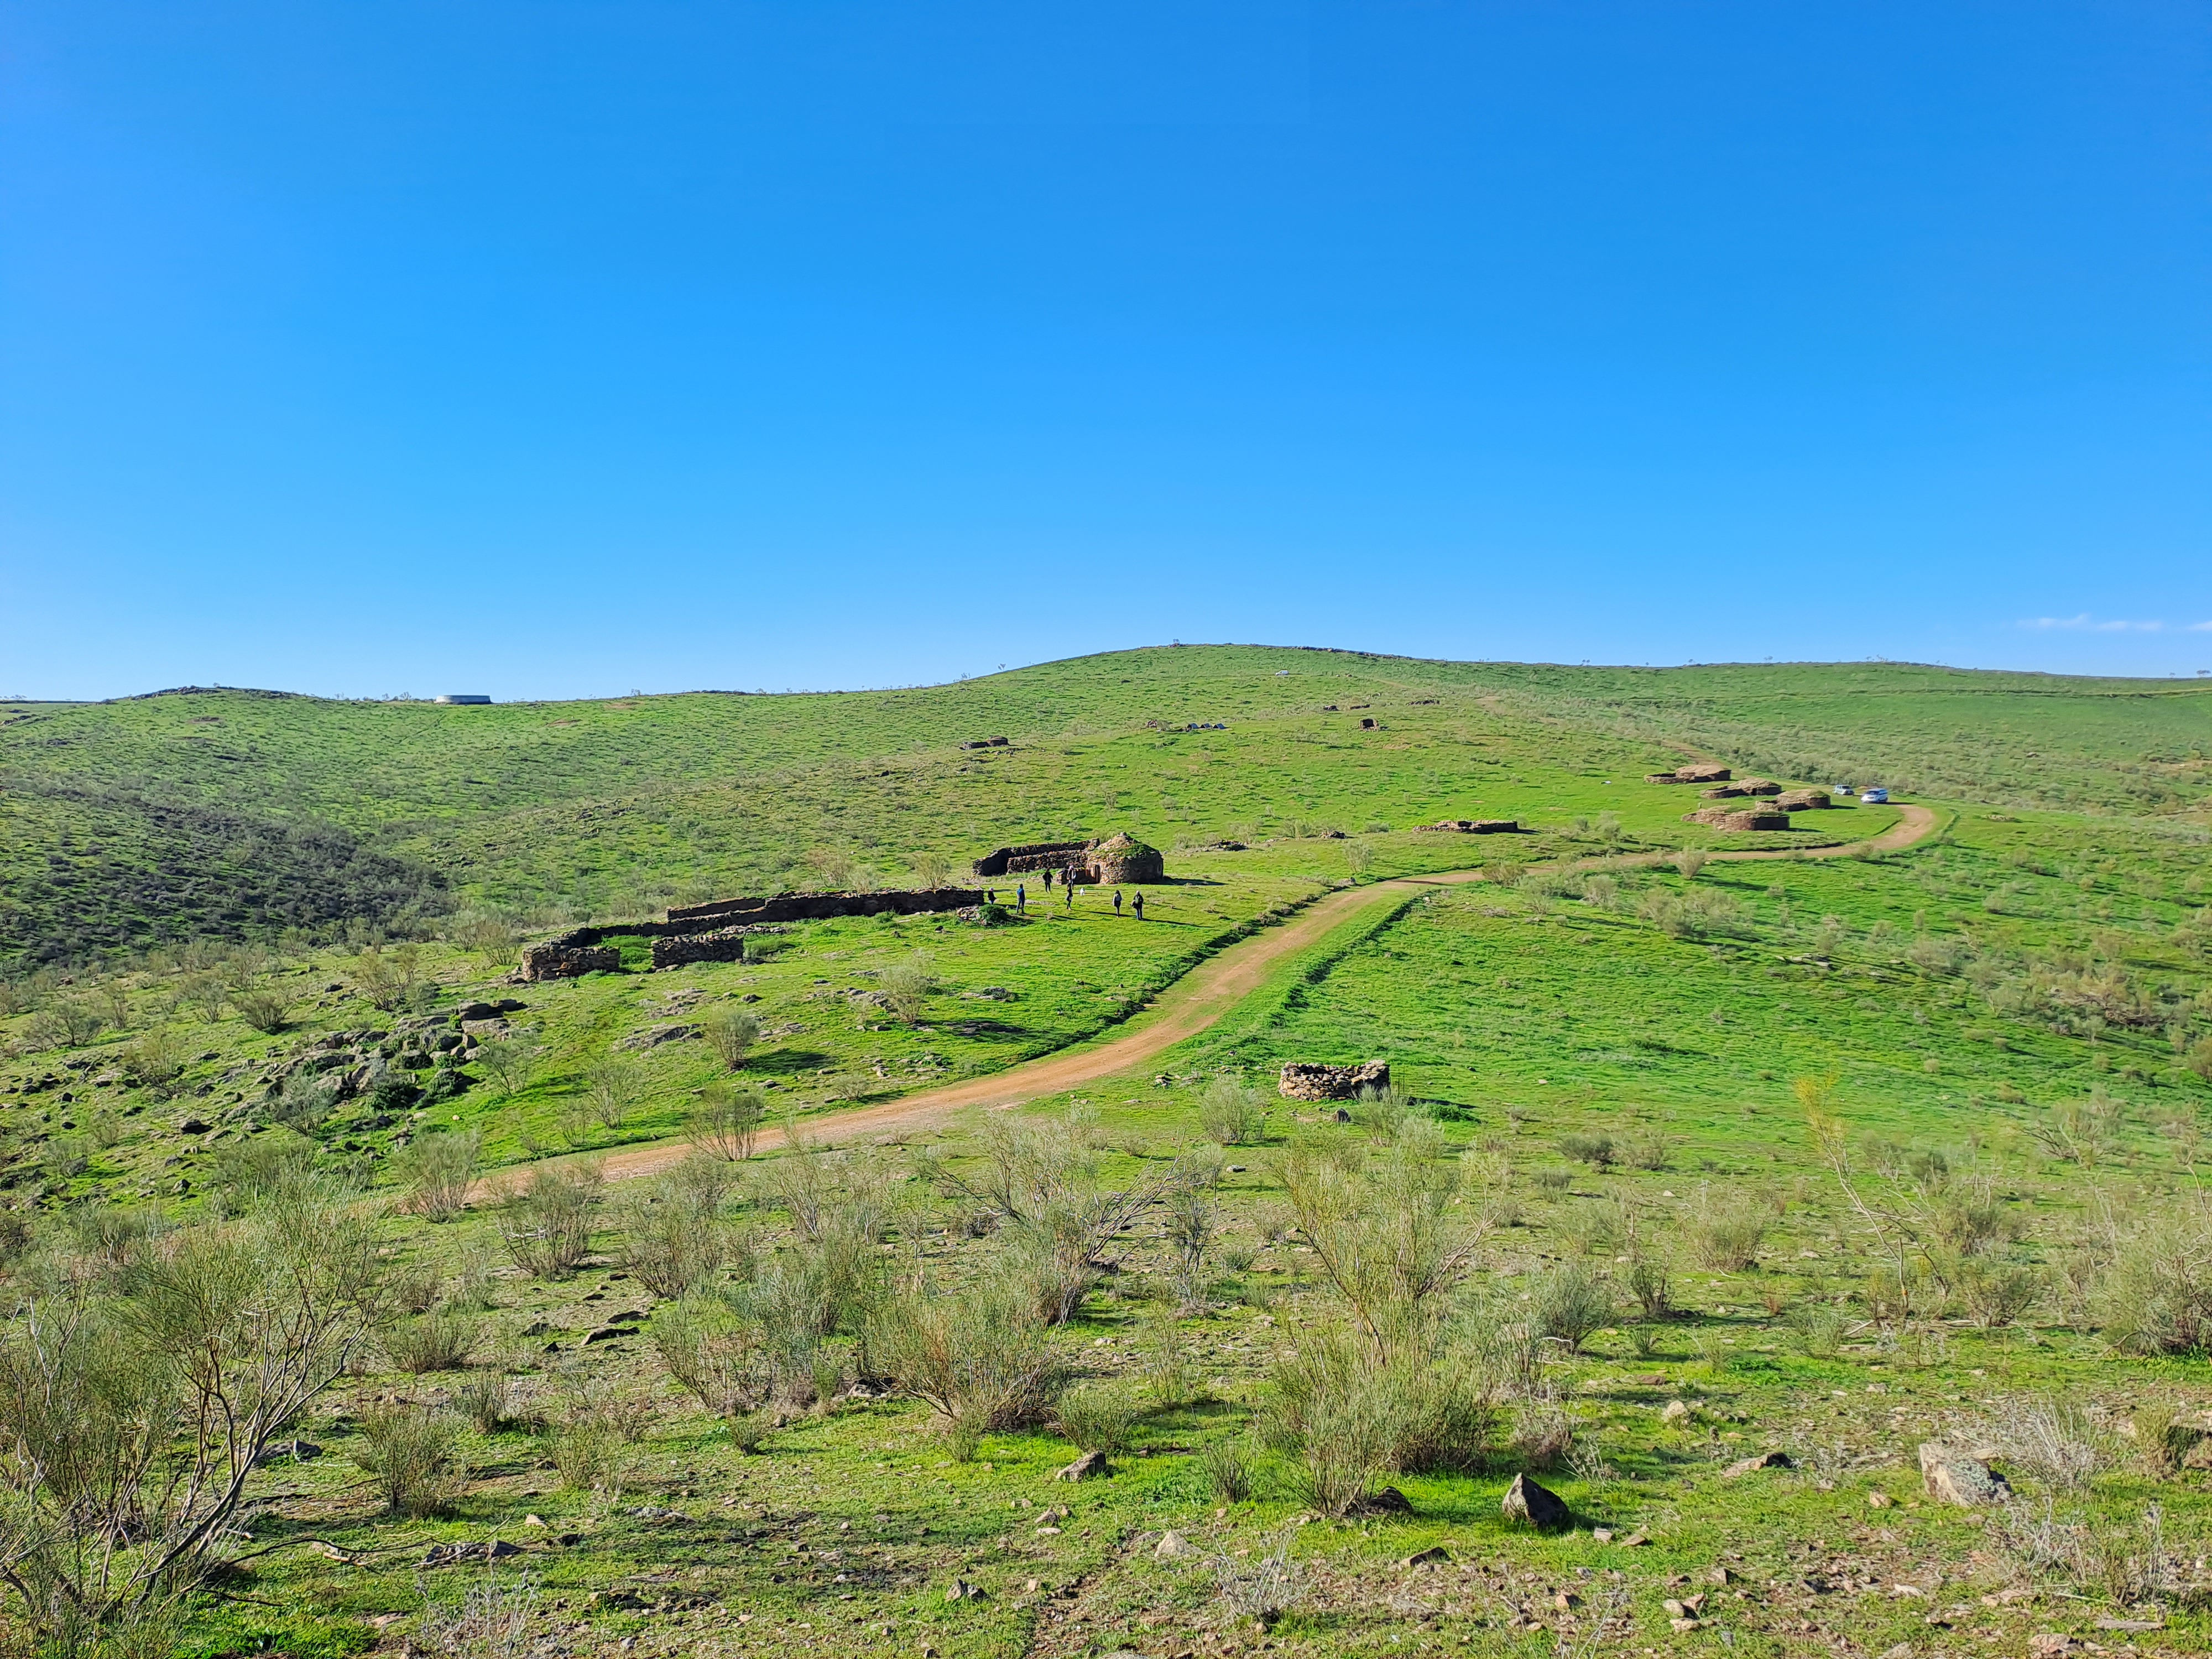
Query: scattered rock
[
  {"x": 1600, "y": 1535},
  {"x": 1388, "y": 1501},
  {"x": 1676, "y": 1411},
  {"x": 1878, "y": 1500},
  {"x": 1902, "y": 1650},
  {"x": 1090, "y": 1465},
  {"x": 1538, "y": 1506},
  {"x": 648, "y": 1512},
  {"x": 961, "y": 1590},
  {"x": 1773, "y": 1460},
  {"x": 607, "y": 1334},
  {"x": 447, "y": 1555},
  {"x": 1434, "y": 1552},
  {"x": 194, "y": 1126},
  {"x": 289, "y": 1451},
  {"x": 1954, "y": 1476},
  {"x": 2049, "y": 1644},
  {"x": 1173, "y": 1545}
]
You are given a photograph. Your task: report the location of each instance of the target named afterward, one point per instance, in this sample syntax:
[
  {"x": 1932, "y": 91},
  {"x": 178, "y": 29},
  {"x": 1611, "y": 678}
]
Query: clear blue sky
[{"x": 557, "y": 348}]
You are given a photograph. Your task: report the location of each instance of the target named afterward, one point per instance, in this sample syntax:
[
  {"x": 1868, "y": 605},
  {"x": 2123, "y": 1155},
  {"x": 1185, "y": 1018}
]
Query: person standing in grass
[
  {"x": 1021, "y": 896},
  {"x": 1117, "y": 900},
  {"x": 1067, "y": 891},
  {"x": 1138, "y": 905}
]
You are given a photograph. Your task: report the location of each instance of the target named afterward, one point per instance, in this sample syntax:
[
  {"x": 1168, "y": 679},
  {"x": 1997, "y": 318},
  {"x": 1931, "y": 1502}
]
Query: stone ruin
[
  {"x": 986, "y": 743},
  {"x": 1115, "y": 860},
  {"x": 1696, "y": 772},
  {"x": 1804, "y": 800},
  {"x": 1309, "y": 1080},
  {"x": 570, "y": 957},
  {"x": 1739, "y": 817},
  {"x": 1474, "y": 826},
  {"x": 1743, "y": 787},
  {"x": 717, "y": 931}
]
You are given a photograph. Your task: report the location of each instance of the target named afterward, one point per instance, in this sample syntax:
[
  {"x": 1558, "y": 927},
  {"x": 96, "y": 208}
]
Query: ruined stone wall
[
  {"x": 570, "y": 956},
  {"x": 1002, "y": 861},
  {"x": 1309, "y": 1080}
]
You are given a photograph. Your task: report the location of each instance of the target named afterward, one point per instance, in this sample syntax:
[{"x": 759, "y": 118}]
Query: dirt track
[{"x": 1195, "y": 1002}]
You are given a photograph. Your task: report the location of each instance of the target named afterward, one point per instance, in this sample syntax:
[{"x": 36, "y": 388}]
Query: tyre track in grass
[{"x": 1197, "y": 1002}]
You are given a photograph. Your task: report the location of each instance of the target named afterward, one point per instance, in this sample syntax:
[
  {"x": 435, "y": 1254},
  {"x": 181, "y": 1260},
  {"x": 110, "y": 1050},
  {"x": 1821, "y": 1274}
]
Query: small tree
[
  {"x": 436, "y": 1171},
  {"x": 157, "y": 1058},
  {"x": 67, "y": 1023},
  {"x": 1690, "y": 860},
  {"x": 1232, "y": 1112},
  {"x": 492, "y": 938},
  {"x": 732, "y": 1033},
  {"x": 932, "y": 869}
]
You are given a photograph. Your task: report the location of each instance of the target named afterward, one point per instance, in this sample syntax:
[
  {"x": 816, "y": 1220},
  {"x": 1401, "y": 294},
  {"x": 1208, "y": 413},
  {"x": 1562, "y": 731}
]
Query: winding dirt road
[{"x": 1195, "y": 1002}]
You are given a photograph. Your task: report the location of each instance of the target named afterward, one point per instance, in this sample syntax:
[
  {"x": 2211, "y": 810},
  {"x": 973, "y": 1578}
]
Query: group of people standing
[{"x": 1067, "y": 888}]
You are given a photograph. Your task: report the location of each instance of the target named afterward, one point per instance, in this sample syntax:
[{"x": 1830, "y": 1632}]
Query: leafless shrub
[
  {"x": 494, "y": 1619},
  {"x": 673, "y": 1237},
  {"x": 1264, "y": 1585},
  {"x": 907, "y": 986},
  {"x": 1096, "y": 1419},
  {"x": 1542, "y": 1432},
  {"x": 1228, "y": 1476},
  {"x": 486, "y": 1399},
  {"x": 510, "y": 1061},
  {"x": 2048, "y": 1440},
  {"x": 493, "y": 938},
  {"x": 1690, "y": 860},
  {"x": 2157, "y": 1296},
  {"x": 1570, "y": 1305}
]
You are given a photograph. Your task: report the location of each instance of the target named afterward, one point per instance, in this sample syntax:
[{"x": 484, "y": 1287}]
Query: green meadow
[{"x": 1706, "y": 1193}]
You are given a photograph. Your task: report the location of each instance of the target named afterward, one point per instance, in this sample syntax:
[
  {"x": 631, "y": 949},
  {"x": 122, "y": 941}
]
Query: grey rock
[{"x": 1534, "y": 1505}]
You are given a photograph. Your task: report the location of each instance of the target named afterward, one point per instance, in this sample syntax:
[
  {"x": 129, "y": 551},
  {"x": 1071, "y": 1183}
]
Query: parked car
[{"x": 1877, "y": 796}]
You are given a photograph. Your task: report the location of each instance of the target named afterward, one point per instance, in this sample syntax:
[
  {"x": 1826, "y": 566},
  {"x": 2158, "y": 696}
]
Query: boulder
[
  {"x": 1773, "y": 1460},
  {"x": 1954, "y": 1476},
  {"x": 1387, "y": 1501},
  {"x": 1172, "y": 1545},
  {"x": 1534, "y": 1505},
  {"x": 1091, "y": 1466}
]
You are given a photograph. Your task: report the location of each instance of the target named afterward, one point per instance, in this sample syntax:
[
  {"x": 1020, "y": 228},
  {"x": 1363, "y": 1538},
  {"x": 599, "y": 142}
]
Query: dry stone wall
[{"x": 1309, "y": 1080}]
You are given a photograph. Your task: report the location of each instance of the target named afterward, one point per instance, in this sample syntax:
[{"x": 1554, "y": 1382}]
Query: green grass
[{"x": 2027, "y": 958}]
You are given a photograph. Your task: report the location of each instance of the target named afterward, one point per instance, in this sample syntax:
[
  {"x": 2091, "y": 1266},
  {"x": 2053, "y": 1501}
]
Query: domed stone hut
[{"x": 1120, "y": 858}]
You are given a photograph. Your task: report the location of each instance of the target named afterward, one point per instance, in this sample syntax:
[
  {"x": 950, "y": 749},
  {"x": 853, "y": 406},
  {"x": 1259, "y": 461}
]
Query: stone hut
[
  {"x": 1118, "y": 858},
  {"x": 1697, "y": 772},
  {"x": 1802, "y": 800},
  {"x": 1739, "y": 817}
]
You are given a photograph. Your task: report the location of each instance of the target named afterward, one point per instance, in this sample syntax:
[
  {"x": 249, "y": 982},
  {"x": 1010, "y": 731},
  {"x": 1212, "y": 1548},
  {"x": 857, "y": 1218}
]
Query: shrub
[
  {"x": 1725, "y": 1232},
  {"x": 67, "y": 1023},
  {"x": 672, "y": 1238},
  {"x": 1652, "y": 1285},
  {"x": 387, "y": 978},
  {"x": 1096, "y": 1419},
  {"x": 436, "y": 1172},
  {"x": 1569, "y": 1304},
  {"x": 2162, "y": 1440},
  {"x": 156, "y": 1059},
  {"x": 589, "y": 1457},
  {"x": 906, "y": 986},
  {"x": 1648, "y": 1149},
  {"x": 493, "y": 1620},
  {"x": 611, "y": 1087},
  {"x": 2048, "y": 1439},
  {"x": 264, "y": 1007},
  {"x": 1231, "y": 1112},
  {"x": 413, "y": 1455},
  {"x": 1819, "y": 1329},
  {"x": 726, "y": 1124},
  {"x": 2157, "y": 1296},
  {"x": 1346, "y": 1421},
  {"x": 1543, "y": 1434},
  {"x": 1262, "y": 1586},
  {"x": 1595, "y": 1150},
  {"x": 2083, "y": 1131},
  {"x": 493, "y": 938},
  {"x": 307, "y": 1098},
  {"x": 432, "y": 1342},
  {"x": 1995, "y": 1292},
  {"x": 1191, "y": 1220},
  {"x": 547, "y": 1225},
  {"x": 486, "y": 1399},
  {"x": 259, "y": 1169},
  {"x": 978, "y": 1359},
  {"x": 1227, "y": 1475},
  {"x": 509, "y": 1061},
  {"x": 732, "y": 1033},
  {"x": 1690, "y": 860}
]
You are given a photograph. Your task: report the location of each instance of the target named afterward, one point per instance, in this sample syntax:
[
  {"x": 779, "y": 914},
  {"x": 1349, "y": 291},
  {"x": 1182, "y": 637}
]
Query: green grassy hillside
[{"x": 710, "y": 1427}]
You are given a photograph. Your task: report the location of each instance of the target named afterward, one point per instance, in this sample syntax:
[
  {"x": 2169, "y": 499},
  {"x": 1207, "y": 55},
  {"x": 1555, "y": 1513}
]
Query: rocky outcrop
[
  {"x": 1309, "y": 1080},
  {"x": 570, "y": 957}
]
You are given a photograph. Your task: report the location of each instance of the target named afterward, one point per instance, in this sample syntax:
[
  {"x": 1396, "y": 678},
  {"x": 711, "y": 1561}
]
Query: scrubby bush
[
  {"x": 2156, "y": 1298},
  {"x": 436, "y": 1171},
  {"x": 509, "y": 1061},
  {"x": 1569, "y": 1304},
  {"x": 546, "y": 1226},
  {"x": 1724, "y": 1231},
  {"x": 434, "y": 1341},
  {"x": 674, "y": 1236},
  {"x": 264, "y": 1007},
  {"x": 486, "y": 1399},
  {"x": 978, "y": 1357},
  {"x": 1096, "y": 1419},
  {"x": 732, "y": 1033},
  {"x": 1231, "y": 1112},
  {"x": 612, "y": 1087},
  {"x": 907, "y": 986},
  {"x": 1819, "y": 1329},
  {"x": 257, "y": 1170},
  {"x": 156, "y": 1059},
  {"x": 1345, "y": 1421},
  {"x": 1595, "y": 1150},
  {"x": 413, "y": 1453},
  {"x": 726, "y": 1123},
  {"x": 1228, "y": 1476},
  {"x": 67, "y": 1023}
]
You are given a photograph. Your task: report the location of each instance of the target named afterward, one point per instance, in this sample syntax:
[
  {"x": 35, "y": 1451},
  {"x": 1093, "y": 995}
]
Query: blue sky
[{"x": 571, "y": 347}]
